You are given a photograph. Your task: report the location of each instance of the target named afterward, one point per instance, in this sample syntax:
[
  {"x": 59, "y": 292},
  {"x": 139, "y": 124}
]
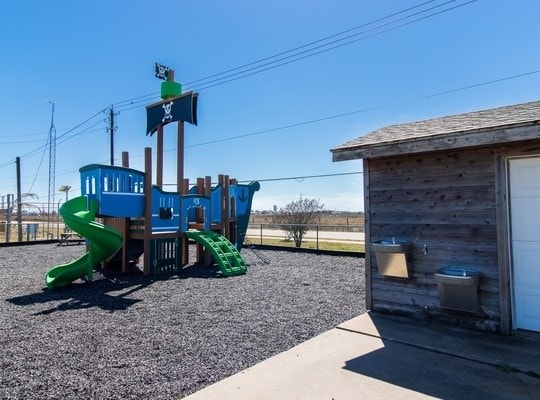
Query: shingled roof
[{"x": 487, "y": 127}]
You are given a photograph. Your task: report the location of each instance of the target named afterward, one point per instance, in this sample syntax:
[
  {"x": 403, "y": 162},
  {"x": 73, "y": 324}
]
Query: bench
[{"x": 66, "y": 238}]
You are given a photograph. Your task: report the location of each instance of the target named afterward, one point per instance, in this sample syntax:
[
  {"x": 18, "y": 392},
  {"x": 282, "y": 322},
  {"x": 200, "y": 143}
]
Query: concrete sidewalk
[{"x": 376, "y": 356}]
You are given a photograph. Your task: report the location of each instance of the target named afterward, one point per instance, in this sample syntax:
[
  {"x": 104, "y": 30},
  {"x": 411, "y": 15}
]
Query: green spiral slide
[{"x": 79, "y": 214}]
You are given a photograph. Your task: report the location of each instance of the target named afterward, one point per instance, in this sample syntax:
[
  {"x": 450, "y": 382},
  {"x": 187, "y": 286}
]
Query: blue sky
[{"x": 87, "y": 56}]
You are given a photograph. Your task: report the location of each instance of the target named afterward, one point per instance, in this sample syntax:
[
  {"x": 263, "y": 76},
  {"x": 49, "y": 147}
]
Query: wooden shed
[{"x": 456, "y": 193}]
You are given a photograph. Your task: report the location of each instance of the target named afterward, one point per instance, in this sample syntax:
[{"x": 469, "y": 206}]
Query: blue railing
[{"x": 119, "y": 190}]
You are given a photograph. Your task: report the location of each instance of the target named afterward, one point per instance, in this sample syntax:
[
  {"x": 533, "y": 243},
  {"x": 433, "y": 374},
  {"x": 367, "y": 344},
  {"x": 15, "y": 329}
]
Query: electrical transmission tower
[{"x": 52, "y": 169}]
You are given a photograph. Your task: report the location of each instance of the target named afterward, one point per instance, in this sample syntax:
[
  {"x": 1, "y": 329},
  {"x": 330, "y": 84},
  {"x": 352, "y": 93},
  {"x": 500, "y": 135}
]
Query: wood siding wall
[{"x": 447, "y": 203}]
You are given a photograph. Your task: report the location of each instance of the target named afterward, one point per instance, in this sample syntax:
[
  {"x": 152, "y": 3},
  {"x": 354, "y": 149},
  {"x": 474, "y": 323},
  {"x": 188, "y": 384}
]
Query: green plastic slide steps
[{"x": 222, "y": 250}]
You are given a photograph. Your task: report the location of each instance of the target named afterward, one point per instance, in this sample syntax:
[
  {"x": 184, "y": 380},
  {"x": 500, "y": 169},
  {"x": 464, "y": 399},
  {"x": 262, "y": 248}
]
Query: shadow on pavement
[
  {"x": 106, "y": 294},
  {"x": 449, "y": 362}
]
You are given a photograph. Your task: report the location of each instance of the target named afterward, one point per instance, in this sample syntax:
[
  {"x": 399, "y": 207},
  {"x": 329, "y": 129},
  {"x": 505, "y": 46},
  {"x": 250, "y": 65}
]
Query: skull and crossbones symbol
[
  {"x": 162, "y": 71},
  {"x": 167, "y": 108}
]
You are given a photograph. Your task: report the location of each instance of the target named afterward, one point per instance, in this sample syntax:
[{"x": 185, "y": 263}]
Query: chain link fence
[
  {"x": 35, "y": 223},
  {"x": 315, "y": 236}
]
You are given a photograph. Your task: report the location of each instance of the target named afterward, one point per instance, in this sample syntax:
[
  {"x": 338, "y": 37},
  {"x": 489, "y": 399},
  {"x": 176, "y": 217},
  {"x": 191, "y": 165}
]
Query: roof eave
[{"x": 453, "y": 140}]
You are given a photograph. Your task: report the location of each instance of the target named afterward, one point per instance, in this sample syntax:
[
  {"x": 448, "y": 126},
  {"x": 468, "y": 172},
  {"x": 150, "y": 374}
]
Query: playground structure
[{"x": 139, "y": 218}]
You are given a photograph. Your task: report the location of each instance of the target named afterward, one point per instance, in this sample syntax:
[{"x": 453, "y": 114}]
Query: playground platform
[{"x": 376, "y": 356}]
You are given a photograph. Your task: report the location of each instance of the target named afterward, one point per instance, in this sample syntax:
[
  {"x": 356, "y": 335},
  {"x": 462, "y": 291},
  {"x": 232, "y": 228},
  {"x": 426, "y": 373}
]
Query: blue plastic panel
[
  {"x": 216, "y": 204},
  {"x": 119, "y": 191},
  {"x": 190, "y": 203},
  {"x": 165, "y": 210}
]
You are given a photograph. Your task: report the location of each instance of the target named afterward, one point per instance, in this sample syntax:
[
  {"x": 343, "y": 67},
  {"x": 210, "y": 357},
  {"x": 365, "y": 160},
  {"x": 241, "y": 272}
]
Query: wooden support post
[
  {"x": 208, "y": 193},
  {"x": 200, "y": 218},
  {"x": 200, "y": 191},
  {"x": 184, "y": 188},
  {"x": 232, "y": 213},
  {"x": 226, "y": 207},
  {"x": 159, "y": 157},
  {"x": 147, "y": 208},
  {"x": 126, "y": 232},
  {"x": 367, "y": 235},
  {"x": 125, "y": 159},
  {"x": 180, "y": 158},
  {"x": 221, "y": 205},
  {"x": 208, "y": 186},
  {"x": 181, "y": 186}
]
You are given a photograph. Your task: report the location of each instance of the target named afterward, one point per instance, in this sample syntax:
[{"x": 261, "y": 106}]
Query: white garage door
[{"x": 525, "y": 231}]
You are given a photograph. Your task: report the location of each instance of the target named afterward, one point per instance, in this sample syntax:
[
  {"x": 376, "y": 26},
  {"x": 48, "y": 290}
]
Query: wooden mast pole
[
  {"x": 126, "y": 229},
  {"x": 159, "y": 157},
  {"x": 180, "y": 187},
  {"x": 147, "y": 208}
]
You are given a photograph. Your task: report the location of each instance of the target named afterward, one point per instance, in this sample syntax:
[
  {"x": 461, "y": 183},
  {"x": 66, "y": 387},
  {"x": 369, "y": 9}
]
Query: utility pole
[
  {"x": 19, "y": 199},
  {"x": 111, "y": 129},
  {"x": 52, "y": 168}
]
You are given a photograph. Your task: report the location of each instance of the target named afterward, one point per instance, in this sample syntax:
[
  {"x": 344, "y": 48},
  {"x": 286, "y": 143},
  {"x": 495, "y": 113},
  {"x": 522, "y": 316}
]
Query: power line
[
  {"x": 135, "y": 102},
  {"x": 256, "y": 67},
  {"x": 291, "y": 178},
  {"x": 38, "y": 149},
  {"x": 85, "y": 131},
  {"x": 325, "y": 118},
  {"x": 325, "y": 47},
  {"x": 43, "y": 147},
  {"x": 301, "y": 178},
  {"x": 24, "y": 134},
  {"x": 43, "y": 154},
  {"x": 82, "y": 123},
  {"x": 373, "y": 108},
  {"x": 305, "y": 45},
  {"x": 132, "y": 103},
  {"x": 19, "y": 142},
  {"x": 140, "y": 99},
  {"x": 38, "y": 168}
]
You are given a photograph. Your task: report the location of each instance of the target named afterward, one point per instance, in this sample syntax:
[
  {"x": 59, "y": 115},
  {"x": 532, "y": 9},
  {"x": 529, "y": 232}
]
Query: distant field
[
  {"x": 346, "y": 219},
  {"x": 310, "y": 244}
]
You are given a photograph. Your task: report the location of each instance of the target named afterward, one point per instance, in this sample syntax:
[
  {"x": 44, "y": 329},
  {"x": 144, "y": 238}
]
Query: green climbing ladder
[{"x": 224, "y": 253}]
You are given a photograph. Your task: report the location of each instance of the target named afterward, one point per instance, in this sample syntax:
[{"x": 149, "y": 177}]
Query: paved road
[{"x": 256, "y": 233}]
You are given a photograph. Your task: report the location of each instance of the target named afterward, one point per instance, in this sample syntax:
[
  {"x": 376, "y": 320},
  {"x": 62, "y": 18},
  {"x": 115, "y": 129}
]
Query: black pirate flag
[
  {"x": 180, "y": 108},
  {"x": 162, "y": 72}
]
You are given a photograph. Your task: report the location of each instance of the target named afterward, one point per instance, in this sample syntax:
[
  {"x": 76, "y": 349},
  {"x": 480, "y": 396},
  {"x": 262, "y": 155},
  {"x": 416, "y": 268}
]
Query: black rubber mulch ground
[{"x": 135, "y": 337}]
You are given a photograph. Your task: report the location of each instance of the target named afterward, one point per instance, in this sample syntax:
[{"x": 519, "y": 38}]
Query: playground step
[{"x": 223, "y": 251}]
